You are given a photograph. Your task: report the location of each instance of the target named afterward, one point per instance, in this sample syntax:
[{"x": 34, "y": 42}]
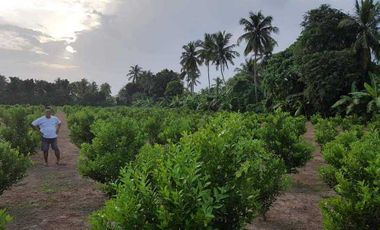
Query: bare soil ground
[
  {"x": 53, "y": 197},
  {"x": 298, "y": 208}
]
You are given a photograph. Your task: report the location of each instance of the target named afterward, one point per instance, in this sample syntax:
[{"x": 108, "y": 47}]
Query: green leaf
[{"x": 371, "y": 91}]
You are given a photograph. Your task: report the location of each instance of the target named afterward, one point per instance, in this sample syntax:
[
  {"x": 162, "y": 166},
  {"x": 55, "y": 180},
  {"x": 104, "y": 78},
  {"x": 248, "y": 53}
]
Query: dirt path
[
  {"x": 54, "y": 197},
  {"x": 298, "y": 208}
]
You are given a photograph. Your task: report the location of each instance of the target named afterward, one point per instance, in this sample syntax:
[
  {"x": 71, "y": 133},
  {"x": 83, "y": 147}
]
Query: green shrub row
[
  {"x": 353, "y": 159},
  {"x": 17, "y": 141},
  {"x": 15, "y": 128},
  {"x": 113, "y": 144},
  {"x": 188, "y": 170},
  {"x": 216, "y": 178}
]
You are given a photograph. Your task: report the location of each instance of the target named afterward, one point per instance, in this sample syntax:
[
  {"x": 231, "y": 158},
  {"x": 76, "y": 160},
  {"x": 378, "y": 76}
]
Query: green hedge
[
  {"x": 217, "y": 177},
  {"x": 353, "y": 171}
]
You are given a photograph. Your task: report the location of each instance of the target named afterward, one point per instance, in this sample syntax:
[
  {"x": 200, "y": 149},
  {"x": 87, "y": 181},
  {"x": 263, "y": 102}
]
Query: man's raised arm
[{"x": 58, "y": 127}]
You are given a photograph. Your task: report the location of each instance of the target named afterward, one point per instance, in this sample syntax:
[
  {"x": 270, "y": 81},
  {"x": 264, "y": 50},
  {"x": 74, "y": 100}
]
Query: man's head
[{"x": 48, "y": 111}]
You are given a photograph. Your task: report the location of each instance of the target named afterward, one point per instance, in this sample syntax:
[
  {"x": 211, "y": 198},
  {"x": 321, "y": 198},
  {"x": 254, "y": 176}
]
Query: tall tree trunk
[
  {"x": 208, "y": 76},
  {"x": 255, "y": 77},
  {"x": 221, "y": 71},
  {"x": 366, "y": 64}
]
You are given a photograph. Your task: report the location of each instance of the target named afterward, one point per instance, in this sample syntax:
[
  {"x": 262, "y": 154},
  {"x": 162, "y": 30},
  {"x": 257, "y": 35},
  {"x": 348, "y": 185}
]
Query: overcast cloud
[{"x": 100, "y": 39}]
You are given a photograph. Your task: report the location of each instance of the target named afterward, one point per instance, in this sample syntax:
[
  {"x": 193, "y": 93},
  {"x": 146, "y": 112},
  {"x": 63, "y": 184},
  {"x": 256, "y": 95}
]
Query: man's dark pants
[{"x": 46, "y": 142}]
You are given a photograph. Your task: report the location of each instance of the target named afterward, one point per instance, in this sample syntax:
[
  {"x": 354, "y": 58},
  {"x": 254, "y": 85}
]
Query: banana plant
[
  {"x": 349, "y": 102},
  {"x": 369, "y": 97},
  {"x": 373, "y": 94}
]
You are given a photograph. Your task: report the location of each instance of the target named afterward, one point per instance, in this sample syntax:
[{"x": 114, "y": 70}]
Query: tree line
[{"x": 14, "y": 90}]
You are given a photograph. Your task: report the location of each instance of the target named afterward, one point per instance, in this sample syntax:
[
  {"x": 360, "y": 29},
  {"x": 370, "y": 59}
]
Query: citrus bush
[
  {"x": 16, "y": 129},
  {"x": 282, "y": 135},
  {"x": 232, "y": 158},
  {"x": 168, "y": 191},
  {"x": 355, "y": 162},
  {"x": 13, "y": 165},
  {"x": 217, "y": 177},
  {"x": 80, "y": 123},
  {"x": 325, "y": 131},
  {"x": 4, "y": 219},
  {"x": 116, "y": 142},
  {"x": 174, "y": 127}
]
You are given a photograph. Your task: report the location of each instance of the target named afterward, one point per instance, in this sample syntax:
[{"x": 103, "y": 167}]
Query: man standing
[{"x": 48, "y": 126}]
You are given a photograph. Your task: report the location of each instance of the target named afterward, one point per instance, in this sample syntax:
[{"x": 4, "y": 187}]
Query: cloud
[
  {"x": 60, "y": 19},
  {"x": 54, "y": 65},
  {"x": 20, "y": 39},
  {"x": 70, "y": 49}
]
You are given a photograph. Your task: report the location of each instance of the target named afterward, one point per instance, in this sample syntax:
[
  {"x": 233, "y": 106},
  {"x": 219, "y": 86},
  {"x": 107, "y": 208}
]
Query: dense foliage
[
  {"x": 282, "y": 136},
  {"x": 351, "y": 149},
  {"x": 353, "y": 172},
  {"x": 217, "y": 177},
  {"x": 365, "y": 102},
  {"x": 60, "y": 92},
  {"x": 16, "y": 143},
  {"x": 13, "y": 166},
  {"x": 116, "y": 142},
  {"x": 188, "y": 169},
  {"x": 16, "y": 128}
]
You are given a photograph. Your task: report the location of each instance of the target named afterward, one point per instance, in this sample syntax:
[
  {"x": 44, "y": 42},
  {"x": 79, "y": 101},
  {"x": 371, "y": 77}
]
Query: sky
[{"x": 100, "y": 39}]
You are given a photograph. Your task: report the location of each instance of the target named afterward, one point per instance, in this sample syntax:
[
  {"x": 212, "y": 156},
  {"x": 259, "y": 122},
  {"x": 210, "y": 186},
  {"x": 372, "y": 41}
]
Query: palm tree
[
  {"x": 224, "y": 52},
  {"x": 247, "y": 68},
  {"x": 190, "y": 62},
  {"x": 258, "y": 30},
  {"x": 145, "y": 80},
  {"x": 218, "y": 83},
  {"x": 206, "y": 53},
  {"x": 134, "y": 73},
  {"x": 366, "y": 19}
]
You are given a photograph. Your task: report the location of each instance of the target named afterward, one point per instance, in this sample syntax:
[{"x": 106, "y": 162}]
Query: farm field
[
  {"x": 190, "y": 114},
  {"x": 269, "y": 164}
]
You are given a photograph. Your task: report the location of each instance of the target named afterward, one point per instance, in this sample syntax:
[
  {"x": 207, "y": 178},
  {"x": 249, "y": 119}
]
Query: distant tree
[
  {"x": 125, "y": 95},
  {"x": 105, "y": 89},
  {"x": 3, "y": 88},
  {"x": 79, "y": 90},
  {"x": 241, "y": 93},
  {"x": 105, "y": 93},
  {"x": 44, "y": 93},
  {"x": 281, "y": 77},
  {"x": 327, "y": 76},
  {"x": 146, "y": 81},
  {"x": 321, "y": 31},
  {"x": 59, "y": 92},
  {"x": 225, "y": 52},
  {"x": 324, "y": 59},
  {"x": 206, "y": 53},
  {"x": 62, "y": 93},
  {"x": 160, "y": 82},
  {"x": 174, "y": 88},
  {"x": 190, "y": 62},
  {"x": 134, "y": 73},
  {"x": 366, "y": 19},
  {"x": 248, "y": 69},
  {"x": 14, "y": 91},
  {"x": 258, "y": 36},
  {"x": 217, "y": 85}
]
